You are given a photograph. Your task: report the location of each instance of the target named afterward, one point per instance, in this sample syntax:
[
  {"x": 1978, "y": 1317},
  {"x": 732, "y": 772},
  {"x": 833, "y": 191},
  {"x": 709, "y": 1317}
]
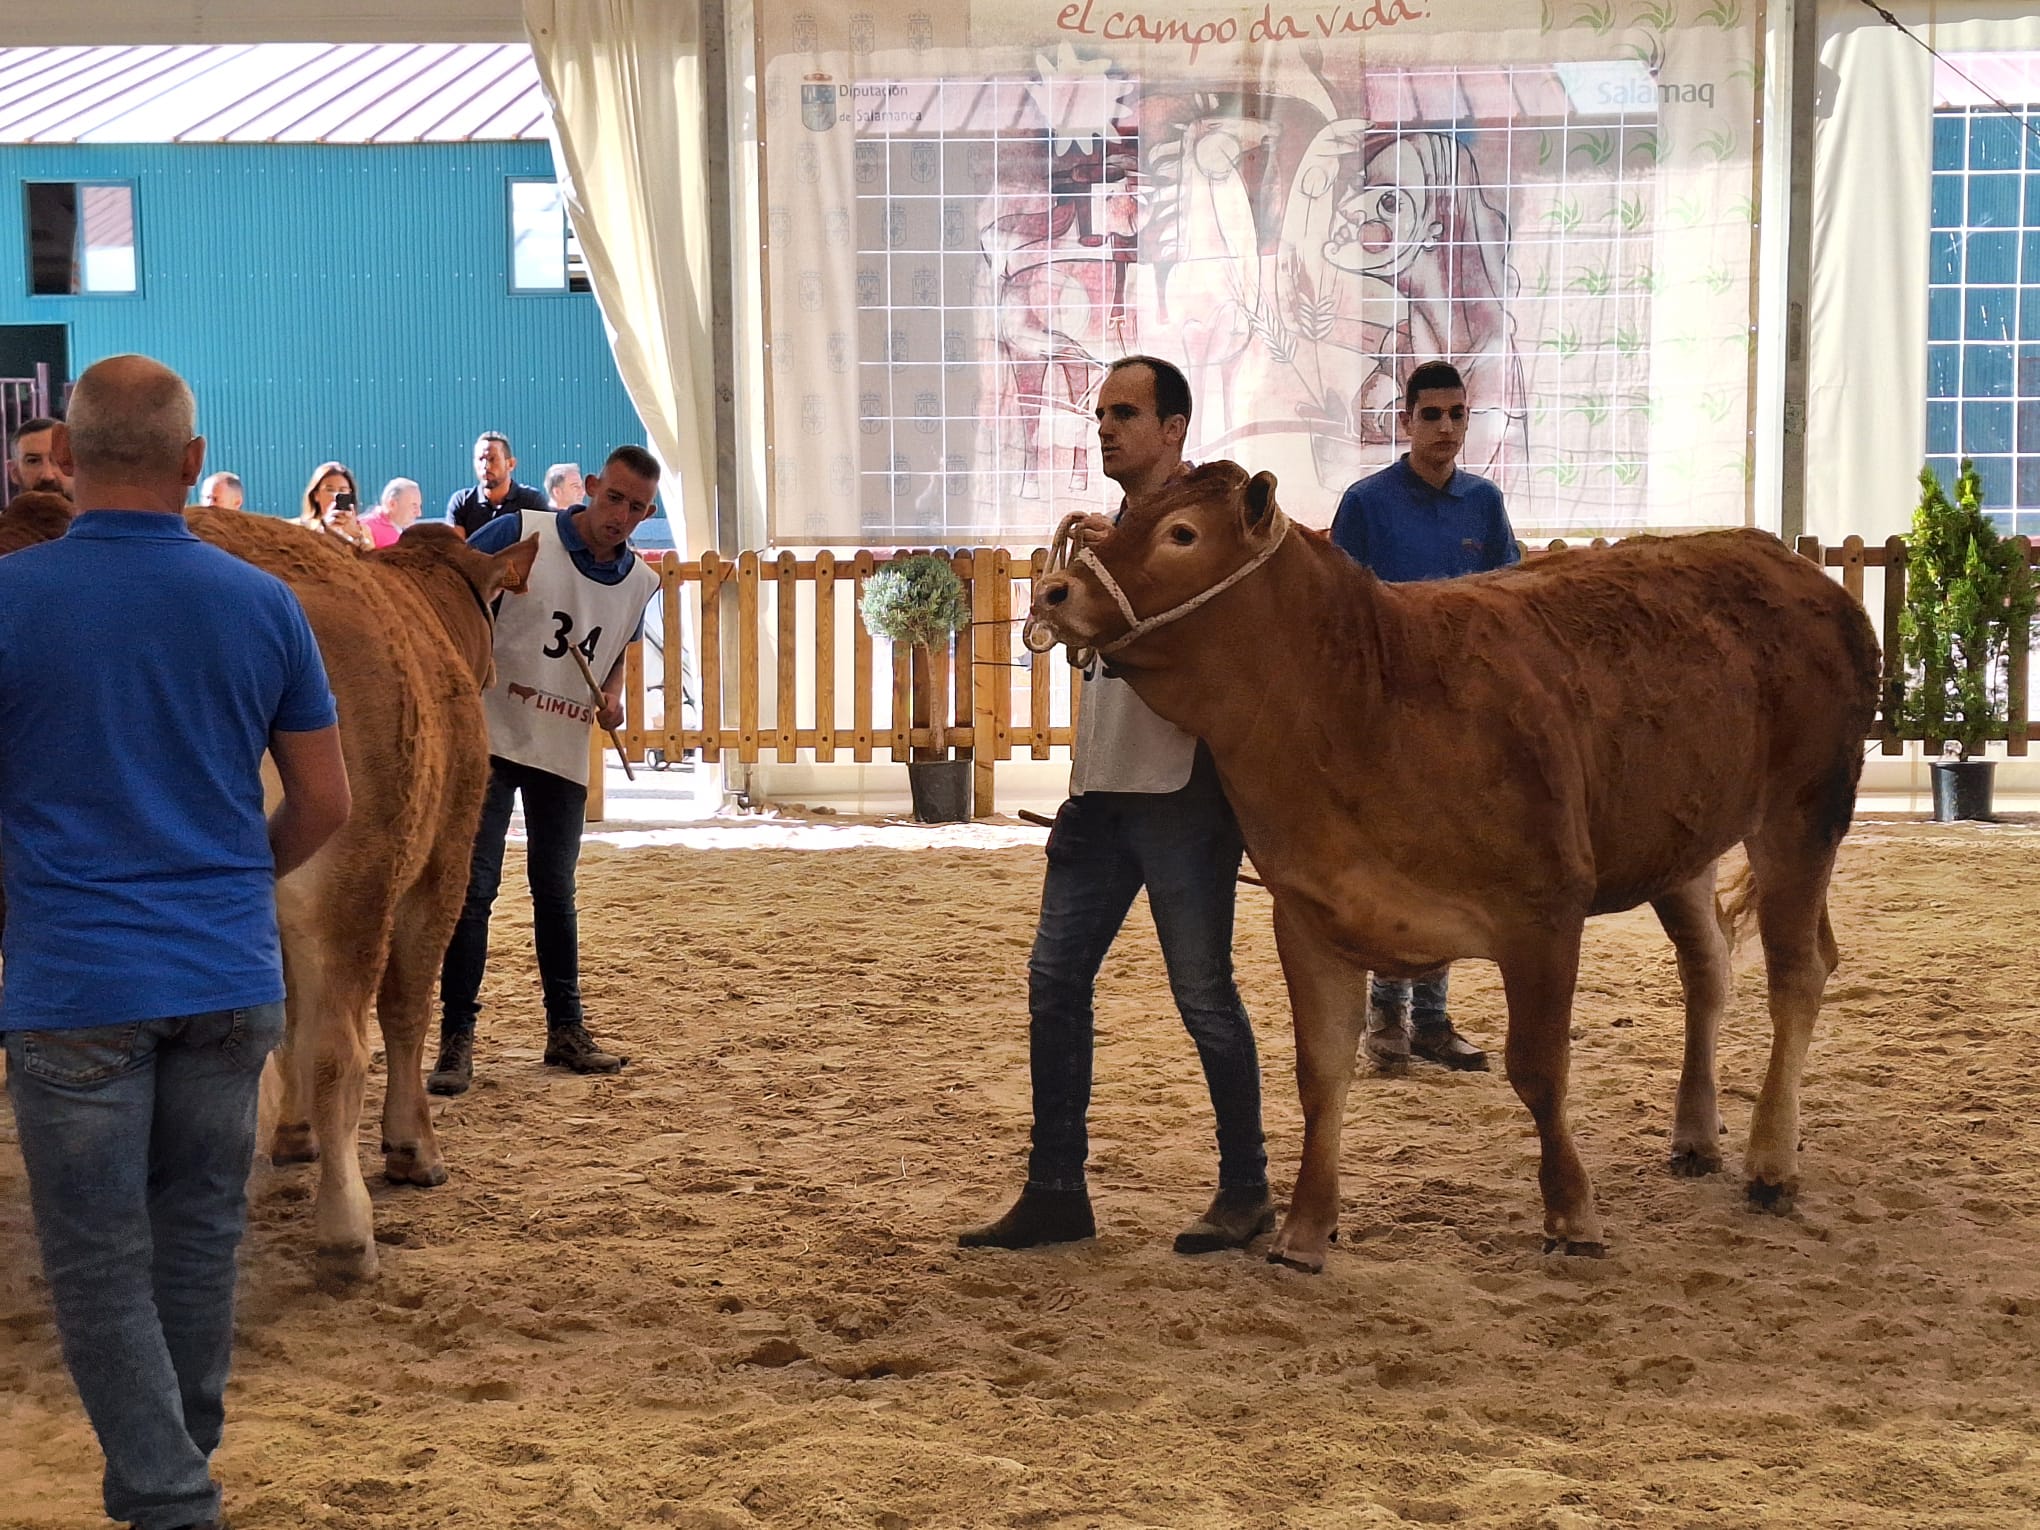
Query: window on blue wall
[
  {"x": 81, "y": 238},
  {"x": 544, "y": 254}
]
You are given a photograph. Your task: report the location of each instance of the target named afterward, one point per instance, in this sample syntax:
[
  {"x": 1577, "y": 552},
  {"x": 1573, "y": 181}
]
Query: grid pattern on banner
[
  {"x": 1983, "y": 308},
  {"x": 1002, "y": 261}
]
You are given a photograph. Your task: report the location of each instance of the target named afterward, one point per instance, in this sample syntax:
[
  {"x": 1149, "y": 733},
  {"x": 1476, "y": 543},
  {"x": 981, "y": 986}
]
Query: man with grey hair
[
  {"x": 144, "y": 972},
  {"x": 564, "y": 486},
  {"x": 401, "y": 503},
  {"x": 221, "y": 490}
]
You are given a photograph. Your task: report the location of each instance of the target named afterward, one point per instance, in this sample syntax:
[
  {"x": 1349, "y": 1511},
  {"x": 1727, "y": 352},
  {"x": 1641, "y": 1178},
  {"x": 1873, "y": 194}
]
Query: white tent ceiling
[{"x": 247, "y": 21}]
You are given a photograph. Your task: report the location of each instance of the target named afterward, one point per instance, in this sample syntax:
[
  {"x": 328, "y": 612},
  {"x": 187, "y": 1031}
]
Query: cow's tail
[{"x": 1735, "y": 905}]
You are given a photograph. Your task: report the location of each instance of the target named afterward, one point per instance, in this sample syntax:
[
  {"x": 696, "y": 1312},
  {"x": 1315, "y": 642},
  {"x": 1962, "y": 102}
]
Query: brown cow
[
  {"x": 33, "y": 516},
  {"x": 409, "y": 647},
  {"x": 1471, "y": 768}
]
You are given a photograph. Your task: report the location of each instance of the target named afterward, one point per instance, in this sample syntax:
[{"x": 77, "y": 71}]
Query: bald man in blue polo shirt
[
  {"x": 1424, "y": 517},
  {"x": 143, "y": 676}
]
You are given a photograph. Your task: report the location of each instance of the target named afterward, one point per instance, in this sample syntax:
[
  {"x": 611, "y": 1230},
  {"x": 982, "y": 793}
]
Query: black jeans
[
  {"x": 1184, "y": 847},
  {"x": 554, "y": 811}
]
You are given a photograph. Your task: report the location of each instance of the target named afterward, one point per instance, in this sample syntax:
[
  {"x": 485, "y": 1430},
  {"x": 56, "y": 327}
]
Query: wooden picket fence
[{"x": 995, "y": 701}]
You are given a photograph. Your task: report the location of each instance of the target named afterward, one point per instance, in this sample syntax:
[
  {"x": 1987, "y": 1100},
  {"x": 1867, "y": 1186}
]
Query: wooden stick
[
  {"x": 595, "y": 693},
  {"x": 1048, "y": 823}
]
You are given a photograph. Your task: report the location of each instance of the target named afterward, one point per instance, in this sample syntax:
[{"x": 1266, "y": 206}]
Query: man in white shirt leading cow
[
  {"x": 1145, "y": 810},
  {"x": 586, "y": 598}
]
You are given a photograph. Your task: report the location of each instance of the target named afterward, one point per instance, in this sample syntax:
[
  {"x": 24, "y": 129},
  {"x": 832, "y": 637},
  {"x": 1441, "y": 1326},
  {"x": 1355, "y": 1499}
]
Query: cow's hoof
[
  {"x": 1576, "y": 1248},
  {"x": 347, "y": 1263},
  {"x": 1309, "y": 1264},
  {"x": 1770, "y": 1195},
  {"x": 293, "y": 1144},
  {"x": 405, "y": 1167},
  {"x": 1695, "y": 1163}
]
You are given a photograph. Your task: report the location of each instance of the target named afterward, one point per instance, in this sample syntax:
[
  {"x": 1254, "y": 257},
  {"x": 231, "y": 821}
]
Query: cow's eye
[{"x": 1182, "y": 536}]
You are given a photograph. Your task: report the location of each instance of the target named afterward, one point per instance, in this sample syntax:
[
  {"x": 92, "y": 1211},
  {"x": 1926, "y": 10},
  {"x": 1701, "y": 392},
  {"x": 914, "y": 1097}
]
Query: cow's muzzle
[{"x": 1039, "y": 634}]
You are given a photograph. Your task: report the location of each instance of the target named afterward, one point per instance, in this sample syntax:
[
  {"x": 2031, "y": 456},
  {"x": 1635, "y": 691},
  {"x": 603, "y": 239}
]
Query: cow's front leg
[
  {"x": 1689, "y": 916},
  {"x": 1538, "y": 975},
  {"x": 1328, "y": 1001}
]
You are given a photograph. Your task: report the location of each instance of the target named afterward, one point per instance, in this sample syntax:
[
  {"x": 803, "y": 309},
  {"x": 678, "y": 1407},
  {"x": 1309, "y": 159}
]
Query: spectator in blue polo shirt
[
  {"x": 495, "y": 491},
  {"x": 143, "y": 674},
  {"x": 1424, "y": 517}
]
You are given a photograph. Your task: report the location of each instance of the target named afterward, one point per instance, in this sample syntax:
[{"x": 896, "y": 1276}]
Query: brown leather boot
[
  {"x": 455, "y": 1069},
  {"x": 1038, "y": 1217},
  {"x": 570, "y": 1046}
]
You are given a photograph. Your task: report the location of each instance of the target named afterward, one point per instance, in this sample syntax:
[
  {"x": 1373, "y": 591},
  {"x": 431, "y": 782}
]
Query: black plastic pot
[
  {"x": 941, "y": 790},
  {"x": 1962, "y": 789}
]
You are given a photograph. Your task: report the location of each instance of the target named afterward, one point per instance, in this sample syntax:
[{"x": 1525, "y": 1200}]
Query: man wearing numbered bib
[{"x": 585, "y": 603}]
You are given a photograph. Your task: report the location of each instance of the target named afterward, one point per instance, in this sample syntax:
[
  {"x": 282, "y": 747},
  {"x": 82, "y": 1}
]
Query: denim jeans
[
  {"x": 138, "y": 1141},
  {"x": 1424, "y": 996},
  {"x": 1184, "y": 847},
  {"x": 554, "y": 811}
]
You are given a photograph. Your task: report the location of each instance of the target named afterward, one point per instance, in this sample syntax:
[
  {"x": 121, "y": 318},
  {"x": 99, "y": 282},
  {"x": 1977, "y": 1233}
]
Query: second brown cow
[{"x": 1472, "y": 768}]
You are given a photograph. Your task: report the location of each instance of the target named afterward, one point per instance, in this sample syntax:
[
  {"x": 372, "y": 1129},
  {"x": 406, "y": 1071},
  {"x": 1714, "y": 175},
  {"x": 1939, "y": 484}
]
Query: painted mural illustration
[{"x": 975, "y": 246}]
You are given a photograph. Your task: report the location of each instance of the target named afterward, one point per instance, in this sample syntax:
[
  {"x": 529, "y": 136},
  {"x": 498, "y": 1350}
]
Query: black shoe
[
  {"x": 570, "y": 1046},
  {"x": 1235, "y": 1219},
  {"x": 1436, "y": 1041},
  {"x": 455, "y": 1069},
  {"x": 1038, "y": 1217}
]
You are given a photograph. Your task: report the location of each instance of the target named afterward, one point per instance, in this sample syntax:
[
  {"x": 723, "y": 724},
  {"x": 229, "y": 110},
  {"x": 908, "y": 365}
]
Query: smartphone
[{"x": 342, "y": 502}]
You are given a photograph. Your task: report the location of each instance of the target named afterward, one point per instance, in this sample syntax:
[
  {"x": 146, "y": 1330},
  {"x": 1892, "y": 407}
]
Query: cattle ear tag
[
  {"x": 514, "y": 563},
  {"x": 1260, "y": 500}
]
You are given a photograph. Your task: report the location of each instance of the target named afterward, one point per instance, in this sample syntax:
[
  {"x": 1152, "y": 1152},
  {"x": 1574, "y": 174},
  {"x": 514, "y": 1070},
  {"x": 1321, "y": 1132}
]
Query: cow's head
[
  {"x": 462, "y": 583},
  {"x": 1163, "y": 561}
]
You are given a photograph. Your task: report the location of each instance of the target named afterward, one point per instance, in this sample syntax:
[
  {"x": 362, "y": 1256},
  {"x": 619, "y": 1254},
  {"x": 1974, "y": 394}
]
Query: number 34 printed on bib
[{"x": 563, "y": 637}]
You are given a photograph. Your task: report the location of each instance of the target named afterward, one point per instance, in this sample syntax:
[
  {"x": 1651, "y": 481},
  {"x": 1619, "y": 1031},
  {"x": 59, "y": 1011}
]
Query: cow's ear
[
  {"x": 1260, "y": 501},
  {"x": 513, "y": 565}
]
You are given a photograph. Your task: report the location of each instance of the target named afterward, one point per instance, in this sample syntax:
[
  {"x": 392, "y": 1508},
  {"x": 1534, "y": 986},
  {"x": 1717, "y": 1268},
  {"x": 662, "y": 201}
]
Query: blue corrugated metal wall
[{"x": 348, "y": 302}]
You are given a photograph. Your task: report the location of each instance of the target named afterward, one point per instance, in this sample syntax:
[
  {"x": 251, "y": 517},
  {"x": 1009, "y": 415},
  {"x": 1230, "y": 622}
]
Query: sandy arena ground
[{"x": 722, "y": 1290}]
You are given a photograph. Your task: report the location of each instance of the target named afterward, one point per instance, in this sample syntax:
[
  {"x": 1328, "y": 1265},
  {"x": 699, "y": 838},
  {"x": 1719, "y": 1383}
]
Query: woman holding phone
[{"x": 332, "y": 505}]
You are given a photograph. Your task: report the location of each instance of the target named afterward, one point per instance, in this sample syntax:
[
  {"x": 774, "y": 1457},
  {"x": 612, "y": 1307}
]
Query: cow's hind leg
[
  {"x": 1328, "y": 1002},
  {"x": 332, "y": 1004},
  {"x": 424, "y": 923},
  {"x": 1791, "y": 865},
  {"x": 285, "y": 1122},
  {"x": 1689, "y": 916},
  {"x": 1538, "y": 979}
]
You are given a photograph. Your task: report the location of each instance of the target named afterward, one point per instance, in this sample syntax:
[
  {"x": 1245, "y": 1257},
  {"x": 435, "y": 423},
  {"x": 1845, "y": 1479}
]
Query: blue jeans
[
  {"x": 1184, "y": 847},
  {"x": 1425, "y": 996},
  {"x": 138, "y": 1140},
  {"x": 554, "y": 811}
]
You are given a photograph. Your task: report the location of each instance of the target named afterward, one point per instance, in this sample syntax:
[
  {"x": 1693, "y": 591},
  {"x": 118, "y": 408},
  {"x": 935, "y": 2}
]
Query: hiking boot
[
  {"x": 1436, "y": 1041},
  {"x": 1386, "y": 1041},
  {"x": 1235, "y": 1219},
  {"x": 570, "y": 1046},
  {"x": 455, "y": 1069},
  {"x": 1038, "y": 1217}
]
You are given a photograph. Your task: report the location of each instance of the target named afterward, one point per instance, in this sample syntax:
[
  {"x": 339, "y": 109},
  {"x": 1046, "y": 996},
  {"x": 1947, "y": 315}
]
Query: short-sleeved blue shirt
[
  {"x": 141, "y": 674},
  {"x": 1398, "y": 525}
]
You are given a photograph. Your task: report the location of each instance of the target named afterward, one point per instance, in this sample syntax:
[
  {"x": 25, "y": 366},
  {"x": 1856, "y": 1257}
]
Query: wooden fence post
[
  {"x": 1894, "y": 669},
  {"x": 2017, "y": 724},
  {"x": 984, "y": 679},
  {"x": 598, "y": 804},
  {"x": 747, "y": 658},
  {"x": 825, "y": 655},
  {"x": 711, "y": 657}
]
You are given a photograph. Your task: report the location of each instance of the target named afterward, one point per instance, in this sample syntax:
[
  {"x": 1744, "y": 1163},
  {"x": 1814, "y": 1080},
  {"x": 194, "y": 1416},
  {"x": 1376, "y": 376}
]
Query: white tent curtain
[
  {"x": 1866, "y": 431},
  {"x": 624, "y": 78}
]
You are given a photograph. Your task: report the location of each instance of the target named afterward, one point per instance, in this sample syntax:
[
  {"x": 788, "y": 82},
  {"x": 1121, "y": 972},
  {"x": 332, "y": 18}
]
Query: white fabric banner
[
  {"x": 970, "y": 210},
  {"x": 624, "y": 79}
]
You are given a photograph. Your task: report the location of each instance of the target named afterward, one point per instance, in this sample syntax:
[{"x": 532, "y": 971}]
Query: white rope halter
[{"x": 1038, "y": 637}]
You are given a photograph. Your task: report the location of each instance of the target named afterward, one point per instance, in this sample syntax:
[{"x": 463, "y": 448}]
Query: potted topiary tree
[
  {"x": 1968, "y": 600},
  {"x": 919, "y": 600}
]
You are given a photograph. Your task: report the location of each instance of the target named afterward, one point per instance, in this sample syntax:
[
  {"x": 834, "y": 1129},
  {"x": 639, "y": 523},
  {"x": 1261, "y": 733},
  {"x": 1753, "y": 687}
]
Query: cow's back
[
  {"x": 410, "y": 719},
  {"x": 1641, "y": 680}
]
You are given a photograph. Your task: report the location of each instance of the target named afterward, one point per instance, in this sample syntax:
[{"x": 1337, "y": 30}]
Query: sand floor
[{"x": 721, "y": 1290}]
